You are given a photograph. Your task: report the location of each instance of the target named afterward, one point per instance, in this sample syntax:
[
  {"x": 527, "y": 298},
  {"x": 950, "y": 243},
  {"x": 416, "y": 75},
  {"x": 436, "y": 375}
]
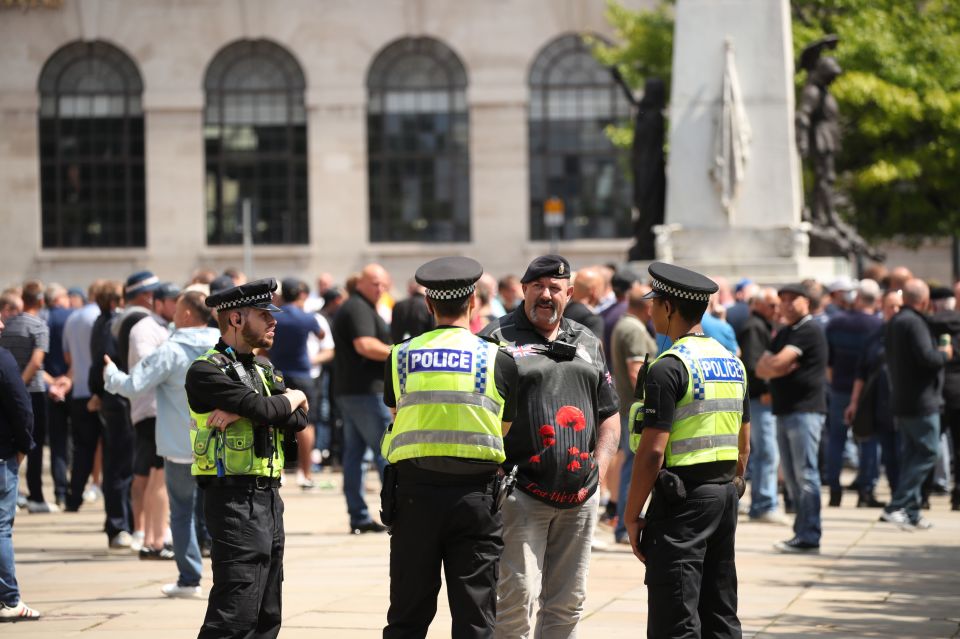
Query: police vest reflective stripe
[
  {"x": 707, "y": 418},
  {"x": 449, "y": 397},
  {"x": 233, "y": 447},
  {"x": 447, "y": 402}
]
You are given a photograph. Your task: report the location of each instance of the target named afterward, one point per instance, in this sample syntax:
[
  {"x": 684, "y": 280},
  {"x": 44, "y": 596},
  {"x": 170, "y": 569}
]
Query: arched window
[
  {"x": 417, "y": 144},
  {"x": 255, "y": 130},
  {"x": 91, "y": 149},
  {"x": 572, "y": 98}
]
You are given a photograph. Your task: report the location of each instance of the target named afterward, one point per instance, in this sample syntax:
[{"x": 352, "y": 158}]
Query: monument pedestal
[
  {"x": 774, "y": 255},
  {"x": 734, "y": 188}
]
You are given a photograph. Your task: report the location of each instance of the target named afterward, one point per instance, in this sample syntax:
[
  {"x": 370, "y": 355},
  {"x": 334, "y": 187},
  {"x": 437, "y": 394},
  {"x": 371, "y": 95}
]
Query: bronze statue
[
  {"x": 647, "y": 163},
  {"x": 819, "y": 141}
]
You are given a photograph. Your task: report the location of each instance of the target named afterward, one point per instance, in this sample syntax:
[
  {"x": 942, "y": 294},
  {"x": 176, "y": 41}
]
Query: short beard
[
  {"x": 554, "y": 316},
  {"x": 253, "y": 340}
]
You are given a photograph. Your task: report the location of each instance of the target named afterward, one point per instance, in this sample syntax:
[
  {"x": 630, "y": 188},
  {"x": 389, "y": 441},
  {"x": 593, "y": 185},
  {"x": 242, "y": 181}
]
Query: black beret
[
  {"x": 555, "y": 266},
  {"x": 670, "y": 280},
  {"x": 449, "y": 278},
  {"x": 258, "y": 294},
  {"x": 796, "y": 289},
  {"x": 940, "y": 293}
]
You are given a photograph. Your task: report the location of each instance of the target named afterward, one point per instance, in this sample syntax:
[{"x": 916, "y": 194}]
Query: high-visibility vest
[
  {"x": 234, "y": 445},
  {"x": 706, "y": 421},
  {"x": 447, "y": 401}
]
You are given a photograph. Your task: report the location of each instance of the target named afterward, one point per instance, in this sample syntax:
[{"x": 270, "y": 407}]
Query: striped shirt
[{"x": 22, "y": 335}]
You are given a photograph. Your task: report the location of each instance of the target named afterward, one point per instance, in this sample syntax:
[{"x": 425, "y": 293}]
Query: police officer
[
  {"x": 692, "y": 453},
  {"x": 452, "y": 395},
  {"x": 241, "y": 414}
]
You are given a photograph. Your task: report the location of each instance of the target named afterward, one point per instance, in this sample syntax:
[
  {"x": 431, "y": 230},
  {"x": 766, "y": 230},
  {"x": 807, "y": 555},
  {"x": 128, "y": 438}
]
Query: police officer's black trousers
[
  {"x": 452, "y": 526},
  {"x": 246, "y": 524},
  {"x": 691, "y": 571}
]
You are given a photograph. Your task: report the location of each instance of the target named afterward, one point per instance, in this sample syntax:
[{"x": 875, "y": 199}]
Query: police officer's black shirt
[
  {"x": 208, "y": 388},
  {"x": 664, "y": 386},
  {"x": 561, "y": 405},
  {"x": 505, "y": 378}
]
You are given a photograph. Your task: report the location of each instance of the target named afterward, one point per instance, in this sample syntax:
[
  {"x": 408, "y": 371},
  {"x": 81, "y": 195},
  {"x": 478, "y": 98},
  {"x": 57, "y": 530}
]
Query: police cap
[
  {"x": 449, "y": 278},
  {"x": 670, "y": 280},
  {"x": 258, "y": 294},
  {"x": 555, "y": 266}
]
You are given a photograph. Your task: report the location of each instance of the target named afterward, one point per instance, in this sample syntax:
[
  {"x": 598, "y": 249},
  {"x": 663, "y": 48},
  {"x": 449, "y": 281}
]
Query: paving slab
[{"x": 871, "y": 579}]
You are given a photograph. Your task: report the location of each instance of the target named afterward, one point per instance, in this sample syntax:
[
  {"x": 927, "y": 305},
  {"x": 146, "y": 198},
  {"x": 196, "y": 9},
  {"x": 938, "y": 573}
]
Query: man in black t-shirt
[
  {"x": 796, "y": 367},
  {"x": 565, "y": 433},
  {"x": 361, "y": 345}
]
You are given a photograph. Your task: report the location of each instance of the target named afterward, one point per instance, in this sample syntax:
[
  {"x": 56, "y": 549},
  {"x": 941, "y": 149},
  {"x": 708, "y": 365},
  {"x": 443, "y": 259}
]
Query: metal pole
[{"x": 247, "y": 222}]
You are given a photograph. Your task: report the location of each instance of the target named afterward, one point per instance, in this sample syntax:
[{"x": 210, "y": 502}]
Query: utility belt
[
  {"x": 258, "y": 482},
  {"x": 499, "y": 486},
  {"x": 673, "y": 490}
]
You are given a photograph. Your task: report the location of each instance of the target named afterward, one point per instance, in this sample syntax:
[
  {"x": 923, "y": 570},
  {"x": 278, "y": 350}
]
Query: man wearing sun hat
[
  {"x": 453, "y": 396},
  {"x": 692, "y": 453},
  {"x": 241, "y": 414}
]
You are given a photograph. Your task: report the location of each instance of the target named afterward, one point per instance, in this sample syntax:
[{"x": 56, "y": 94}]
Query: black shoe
[
  {"x": 836, "y": 494},
  {"x": 795, "y": 546},
  {"x": 370, "y": 526},
  {"x": 955, "y": 500},
  {"x": 869, "y": 500}
]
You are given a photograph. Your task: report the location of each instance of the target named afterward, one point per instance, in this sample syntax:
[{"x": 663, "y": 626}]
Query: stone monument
[{"x": 734, "y": 189}]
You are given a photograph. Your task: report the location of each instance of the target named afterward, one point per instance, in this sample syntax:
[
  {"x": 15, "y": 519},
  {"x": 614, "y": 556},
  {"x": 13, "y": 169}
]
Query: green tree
[{"x": 899, "y": 100}]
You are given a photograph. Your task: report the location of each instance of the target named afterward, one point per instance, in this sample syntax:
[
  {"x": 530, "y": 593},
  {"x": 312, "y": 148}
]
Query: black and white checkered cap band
[
  {"x": 133, "y": 288},
  {"x": 250, "y": 300},
  {"x": 660, "y": 287},
  {"x": 449, "y": 294}
]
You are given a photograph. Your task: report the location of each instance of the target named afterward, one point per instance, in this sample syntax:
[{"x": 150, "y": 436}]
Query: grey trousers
[{"x": 545, "y": 561}]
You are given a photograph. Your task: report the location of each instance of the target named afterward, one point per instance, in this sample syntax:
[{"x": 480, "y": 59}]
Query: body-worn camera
[{"x": 561, "y": 351}]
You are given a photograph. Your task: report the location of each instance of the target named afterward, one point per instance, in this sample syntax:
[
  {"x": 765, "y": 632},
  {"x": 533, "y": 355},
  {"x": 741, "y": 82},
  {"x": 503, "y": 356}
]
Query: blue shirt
[
  {"x": 76, "y": 341},
  {"x": 54, "y": 363},
  {"x": 720, "y": 331},
  {"x": 289, "y": 350}
]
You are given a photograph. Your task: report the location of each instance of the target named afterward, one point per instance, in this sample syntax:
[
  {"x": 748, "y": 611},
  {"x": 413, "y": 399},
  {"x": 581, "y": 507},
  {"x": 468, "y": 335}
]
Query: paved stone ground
[{"x": 871, "y": 580}]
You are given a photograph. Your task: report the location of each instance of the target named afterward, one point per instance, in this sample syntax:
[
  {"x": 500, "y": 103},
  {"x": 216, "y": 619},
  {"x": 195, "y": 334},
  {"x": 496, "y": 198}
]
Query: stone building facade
[{"x": 369, "y": 130}]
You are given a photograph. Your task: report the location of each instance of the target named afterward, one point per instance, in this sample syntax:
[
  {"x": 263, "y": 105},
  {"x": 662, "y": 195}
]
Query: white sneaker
[
  {"x": 121, "y": 541},
  {"x": 771, "y": 517},
  {"x": 898, "y": 518},
  {"x": 136, "y": 541},
  {"x": 18, "y": 612},
  {"x": 34, "y": 507},
  {"x": 923, "y": 524},
  {"x": 92, "y": 494},
  {"x": 181, "y": 592}
]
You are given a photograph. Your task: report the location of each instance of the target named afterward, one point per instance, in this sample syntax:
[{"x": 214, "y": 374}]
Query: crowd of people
[{"x": 859, "y": 374}]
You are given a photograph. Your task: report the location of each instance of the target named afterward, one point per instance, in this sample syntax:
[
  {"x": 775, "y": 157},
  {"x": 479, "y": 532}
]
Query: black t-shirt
[
  {"x": 505, "y": 378},
  {"x": 802, "y": 391},
  {"x": 411, "y": 318},
  {"x": 665, "y": 385},
  {"x": 353, "y": 373},
  {"x": 561, "y": 405}
]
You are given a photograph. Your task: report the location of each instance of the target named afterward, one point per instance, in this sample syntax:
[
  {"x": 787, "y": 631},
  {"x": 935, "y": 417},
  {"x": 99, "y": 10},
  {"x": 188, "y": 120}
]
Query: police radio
[{"x": 636, "y": 409}]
